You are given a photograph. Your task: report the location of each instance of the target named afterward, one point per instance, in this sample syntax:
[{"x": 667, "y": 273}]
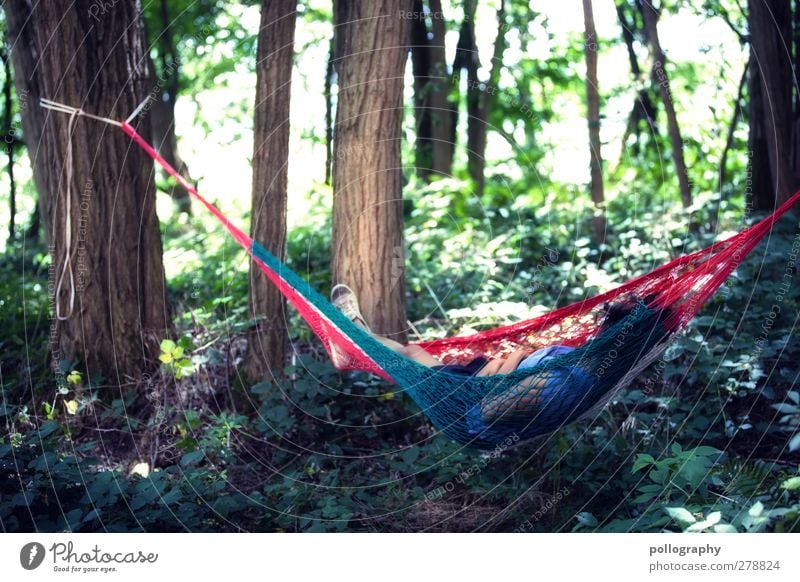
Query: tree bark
[
  {"x": 25, "y": 56},
  {"x": 368, "y": 252},
  {"x": 267, "y": 345},
  {"x": 329, "y": 72},
  {"x": 651, "y": 24},
  {"x": 593, "y": 117},
  {"x": 760, "y": 192},
  {"x": 440, "y": 105},
  {"x": 421, "y": 66},
  {"x": 10, "y": 139},
  {"x": 770, "y": 29},
  {"x": 95, "y": 60}
]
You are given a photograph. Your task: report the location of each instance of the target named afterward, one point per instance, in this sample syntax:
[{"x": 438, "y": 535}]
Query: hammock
[{"x": 609, "y": 358}]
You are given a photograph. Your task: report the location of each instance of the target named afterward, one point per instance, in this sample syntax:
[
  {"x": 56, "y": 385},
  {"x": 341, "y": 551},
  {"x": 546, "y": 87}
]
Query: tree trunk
[
  {"x": 421, "y": 66},
  {"x": 329, "y": 72},
  {"x": 466, "y": 58},
  {"x": 771, "y": 68},
  {"x": 10, "y": 139},
  {"x": 368, "y": 251},
  {"x": 440, "y": 106},
  {"x": 95, "y": 59},
  {"x": 593, "y": 117},
  {"x": 25, "y": 56},
  {"x": 165, "y": 86},
  {"x": 479, "y": 100},
  {"x": 267, "y": 345},
  {"x": 644, "y": 109},
  {"x": 651, "y": 24}
]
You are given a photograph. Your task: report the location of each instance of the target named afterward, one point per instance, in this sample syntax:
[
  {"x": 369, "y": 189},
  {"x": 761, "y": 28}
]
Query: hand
[{"x": 505, "y": 365}]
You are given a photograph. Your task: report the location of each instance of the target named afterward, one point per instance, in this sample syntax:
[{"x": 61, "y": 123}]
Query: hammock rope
[{"x": 604, "y": 359}]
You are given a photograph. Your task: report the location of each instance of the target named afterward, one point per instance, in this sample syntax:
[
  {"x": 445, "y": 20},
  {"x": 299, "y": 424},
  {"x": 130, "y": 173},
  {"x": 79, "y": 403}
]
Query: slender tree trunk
[
  {"x": 737, "y": 110},
  {"x": 10, "y": 139},
  {"x": 770, "y": 27},
  {"x": 440, "y": 106},
  {"x": 165, "y": 86},
  {"x": 479, "y": 99},
  {"x": 368, "y": 253},
  {"x": 267, "y": 345},
  {"x": 421, "y": 66},
  {"x": 644, "y": 109},
  {"x": 34, "y": 226},
  {"x": 651, "y": 24},
  {"x": 593, "y": 109},
  {"x": 329, "y": 72},
  {"x": 465, "y": 59},
  {"x": 96, "y": 60},
  {"x": 25, "y": 56}
]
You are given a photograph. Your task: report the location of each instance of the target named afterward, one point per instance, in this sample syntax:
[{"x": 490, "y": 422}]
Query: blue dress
[{"x": 569, "y": 378}]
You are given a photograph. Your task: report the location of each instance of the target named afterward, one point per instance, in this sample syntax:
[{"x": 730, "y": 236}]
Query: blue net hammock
[{"x": 483, "y": 412}]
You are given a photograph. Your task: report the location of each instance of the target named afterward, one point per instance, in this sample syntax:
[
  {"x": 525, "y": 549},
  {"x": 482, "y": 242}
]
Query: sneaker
[{"x": 344, "y": 299}]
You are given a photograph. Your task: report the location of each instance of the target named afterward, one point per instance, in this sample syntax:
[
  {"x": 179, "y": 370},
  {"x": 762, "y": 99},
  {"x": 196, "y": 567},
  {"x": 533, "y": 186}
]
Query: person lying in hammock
[{"x": 518, "y": 402}]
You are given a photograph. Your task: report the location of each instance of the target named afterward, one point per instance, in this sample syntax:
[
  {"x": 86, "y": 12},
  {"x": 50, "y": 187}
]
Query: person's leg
[
  {"x": 419, "y": 355},
  {"x": 345, "y": 300}
]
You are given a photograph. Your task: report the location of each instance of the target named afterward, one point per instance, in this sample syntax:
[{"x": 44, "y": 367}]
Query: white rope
[
  {"x": 67, "y": 270},
  {"x": 67, "y": 267},
  {"x": 138, "y": 109}
]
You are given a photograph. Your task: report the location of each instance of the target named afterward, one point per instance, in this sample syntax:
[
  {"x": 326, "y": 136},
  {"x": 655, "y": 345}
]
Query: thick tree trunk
[
  {"x": 368, "y": 252},
  {"x": 771, "y": 67},
  {"x": 95, "y": 59},
  {"x": 593, "y": 117},
  {"x": 651, "y": 24},
  {"x": 760, "y": 183},
  {"x": 267, "y": 345},
  {"x": 24, "y": 56}
]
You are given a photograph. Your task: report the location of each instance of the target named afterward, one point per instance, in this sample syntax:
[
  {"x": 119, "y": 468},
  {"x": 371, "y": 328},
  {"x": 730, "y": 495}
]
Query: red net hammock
[{"x": 674, "y": 293}]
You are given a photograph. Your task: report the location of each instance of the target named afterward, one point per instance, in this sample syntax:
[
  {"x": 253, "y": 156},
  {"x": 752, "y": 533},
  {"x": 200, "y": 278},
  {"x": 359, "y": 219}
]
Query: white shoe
[{"x": 344, "y": 299}]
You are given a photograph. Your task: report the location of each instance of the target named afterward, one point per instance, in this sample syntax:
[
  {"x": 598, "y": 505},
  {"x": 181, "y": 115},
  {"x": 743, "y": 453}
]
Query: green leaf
[
  {"x": 724, "y": 528},
  {"x": 710, "y": 520},
  {"x": 167, "y": 346},
  {"x": 587, "y": 519},
  {"x": 642, "y": 461},
  {"x": 786, "y": 408},
  {"x": 794, "y": 444},
  {"x": 680, "y": 514},
  {"x": 48, "y": 428},
  {"x": 261, "y": 388},
  {"x": 791, "y": 484},
  {"x": 756, "y": 510},
  {"x": 410, "y": 455},
  {"x": 190, "y": 458}
]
